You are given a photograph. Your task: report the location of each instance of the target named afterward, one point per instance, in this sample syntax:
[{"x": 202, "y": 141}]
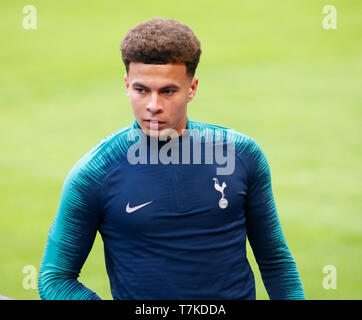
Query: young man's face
[{"x": 159, "y": 95}]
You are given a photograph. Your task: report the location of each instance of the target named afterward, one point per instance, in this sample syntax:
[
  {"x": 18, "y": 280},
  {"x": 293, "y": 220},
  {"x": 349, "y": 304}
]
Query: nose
[{"x": 154, "y": 106}]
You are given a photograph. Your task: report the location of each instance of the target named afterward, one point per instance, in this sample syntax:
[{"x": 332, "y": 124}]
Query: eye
[
  {"x": 140, "y": 90},
  {"x": 168, "y": 92}
]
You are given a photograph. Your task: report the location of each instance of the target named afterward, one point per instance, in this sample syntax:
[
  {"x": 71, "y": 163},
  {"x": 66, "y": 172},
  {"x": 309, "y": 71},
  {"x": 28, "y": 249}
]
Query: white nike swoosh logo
[{"x": 130, "y": 210}]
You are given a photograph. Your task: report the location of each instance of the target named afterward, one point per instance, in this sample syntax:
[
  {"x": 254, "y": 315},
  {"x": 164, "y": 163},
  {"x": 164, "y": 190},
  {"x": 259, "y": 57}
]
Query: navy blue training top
[{"x": 172, "y": 230}]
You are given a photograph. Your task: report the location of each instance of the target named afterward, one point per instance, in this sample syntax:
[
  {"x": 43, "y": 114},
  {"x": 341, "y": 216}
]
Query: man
[{"x": 173, "y": 221}]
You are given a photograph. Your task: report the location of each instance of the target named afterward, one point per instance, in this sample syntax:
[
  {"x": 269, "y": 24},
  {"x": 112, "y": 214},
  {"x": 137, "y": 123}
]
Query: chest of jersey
[{"x": 162, "y": 199}]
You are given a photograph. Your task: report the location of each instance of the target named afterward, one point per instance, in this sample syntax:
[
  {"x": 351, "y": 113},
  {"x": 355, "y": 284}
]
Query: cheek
[
  {"x": 179, "y": 102},
  {"x": 178, "y": 108},
  {"x": 136, "y": 102},
  {"x": 182, "y": 101}
]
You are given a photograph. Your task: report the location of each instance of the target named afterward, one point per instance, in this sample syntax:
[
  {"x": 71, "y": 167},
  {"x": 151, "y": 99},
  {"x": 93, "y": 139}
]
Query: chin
[
  {"x": 162, "y": 133},
  {"x": 153, "y": 133}
]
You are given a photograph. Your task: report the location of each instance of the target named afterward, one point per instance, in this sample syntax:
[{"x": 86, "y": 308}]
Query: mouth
[{"x": 154, "y": 124}]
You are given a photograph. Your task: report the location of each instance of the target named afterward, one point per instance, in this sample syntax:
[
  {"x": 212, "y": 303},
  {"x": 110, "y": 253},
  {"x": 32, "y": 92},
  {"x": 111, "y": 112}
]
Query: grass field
[{"x": 268, "y": 69}]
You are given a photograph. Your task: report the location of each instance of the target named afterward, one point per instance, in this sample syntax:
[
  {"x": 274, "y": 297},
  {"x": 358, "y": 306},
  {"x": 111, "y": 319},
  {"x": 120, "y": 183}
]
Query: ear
[
  {"x": 126, "y": 80},
  {"x": 193, "y": 88}
]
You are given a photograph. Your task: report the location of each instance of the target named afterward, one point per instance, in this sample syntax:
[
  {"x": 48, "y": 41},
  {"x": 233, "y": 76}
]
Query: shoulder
[
  {"x": 245, "y": 146},
  {"x": 100, "y": 159}
]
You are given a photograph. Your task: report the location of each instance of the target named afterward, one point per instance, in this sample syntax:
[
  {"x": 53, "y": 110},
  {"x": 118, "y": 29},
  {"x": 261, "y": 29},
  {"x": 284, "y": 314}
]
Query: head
[{"x": 161, "y": 57}]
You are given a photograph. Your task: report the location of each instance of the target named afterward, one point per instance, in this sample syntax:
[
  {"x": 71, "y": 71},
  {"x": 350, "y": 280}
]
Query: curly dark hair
[{"x": 161, "y": 41}]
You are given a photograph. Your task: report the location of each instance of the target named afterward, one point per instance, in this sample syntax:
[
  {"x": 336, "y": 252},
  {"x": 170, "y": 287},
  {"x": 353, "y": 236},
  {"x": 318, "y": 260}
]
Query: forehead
[{"x": 158, "y": 74}]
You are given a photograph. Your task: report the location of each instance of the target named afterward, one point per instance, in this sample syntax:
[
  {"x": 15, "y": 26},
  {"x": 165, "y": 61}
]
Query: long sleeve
[
  {"x": 276, "y": 264},
  {"x": 70, "y": 240}
]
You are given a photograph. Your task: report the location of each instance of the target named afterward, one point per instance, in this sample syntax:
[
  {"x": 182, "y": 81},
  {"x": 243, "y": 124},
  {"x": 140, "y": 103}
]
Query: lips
[{"x": 154, "y": 124}]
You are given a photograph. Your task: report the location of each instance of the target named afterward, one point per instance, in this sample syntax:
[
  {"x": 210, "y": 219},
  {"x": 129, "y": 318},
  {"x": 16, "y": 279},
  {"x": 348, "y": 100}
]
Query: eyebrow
[{"x": 167, "y": 87}]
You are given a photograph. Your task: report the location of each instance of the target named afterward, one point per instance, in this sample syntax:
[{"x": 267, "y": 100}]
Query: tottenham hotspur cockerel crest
[{"x": 223, "y": 203}]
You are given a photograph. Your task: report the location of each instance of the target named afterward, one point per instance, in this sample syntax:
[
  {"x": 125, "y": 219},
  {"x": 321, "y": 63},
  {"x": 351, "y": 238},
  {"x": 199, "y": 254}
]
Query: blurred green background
[{"x": 268, "y": 69}]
